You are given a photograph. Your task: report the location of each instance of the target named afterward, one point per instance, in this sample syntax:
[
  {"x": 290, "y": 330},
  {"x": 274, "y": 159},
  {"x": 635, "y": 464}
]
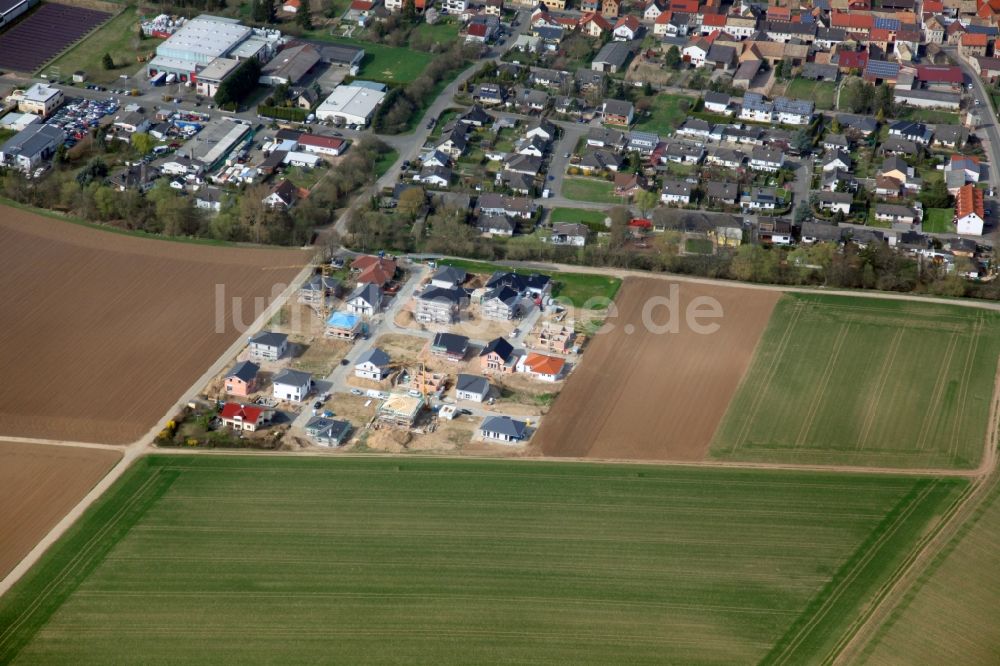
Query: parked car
[{"x": 355, "y": 391}]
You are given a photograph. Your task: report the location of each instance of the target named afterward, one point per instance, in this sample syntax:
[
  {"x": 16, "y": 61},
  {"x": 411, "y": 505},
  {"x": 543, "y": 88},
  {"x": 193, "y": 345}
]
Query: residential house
[
  {"x": 29, "y": 148},
  {"x": 770, "y": 231},
  {"x": 450, "y": 346},
  {"x": 282, "y": 195},
  {"x": 627, "y": 28},
  {"x": 474, "y": 388},
  {"x": 895, "y": 214},
  {"x": 542, "y": 367},
  {"x": 268, "y": 346},
  {"x": 760, "y": 199},
  {"x": 896, "y": 169},
  {"x": 374, "y": 364},
  {"x": 291, "y": 385},
  {"x": 838, "y": 160},
  {"x": 374, "y": 270},
  {"x": 555, "y": 337},
  {"x": 501, "y": 303},
  {"x": 726, "y": 157},
  {"x": 594, "y": 25},
  {"x": 448, "y": 277},
  {"x": 793, "y": 111},
  {"x": 764, "y": 159},
  {"x": 895, "y": 145},
  {"x": 327, "y": 432},
  {"x": 534, "y": 285},
  {"x": 970, "y": 214},
  {"x": 499, "y": 204},
  {"x": 343, "y": 325},
  {"x": 756, "y": 108},
  {"x": 605, "y": 137},
  {"x": 365, "y": 300},
  {"x": 681, "y": 153},
  {"x": 973, "y": 45},
  {"x": 952, "y": 137},
  {"x": 135, "y": 176},
  {"x": 643, "y": 142},
  {"x": 695, "y": 128},
  {"x": 241, "y": 380},
  {"x": 496, "y": 225},
  {"x": 629, "y": 184},
  {"x": 498, "y": 357},
  {"x": 617, "y": 112},
  {"x": 440, "y": 305},
  {"x": 245, "y": 417},
  {"x": 503, "y": 429},
  {"x": 722, "y": 192},
  {"x": 569, "y": 233},
  {"x": 598, "y": 160},
  {"x": 209, "y": 198},
  {"x": 716, "y": 102},
  {"x": 835, "y": 202},
  {"x": 317, "y": 289},
  {"x": 675, "y": 192},
  {"x": 435, "y": 176},
  {"x": 912, "y": 131}
]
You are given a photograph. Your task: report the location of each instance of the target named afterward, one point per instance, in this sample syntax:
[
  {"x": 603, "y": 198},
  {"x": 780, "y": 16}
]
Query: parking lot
[{"x": 78, "y": 116}]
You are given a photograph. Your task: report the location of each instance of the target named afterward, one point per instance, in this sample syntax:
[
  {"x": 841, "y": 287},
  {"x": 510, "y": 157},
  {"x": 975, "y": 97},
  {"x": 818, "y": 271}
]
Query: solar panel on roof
[
  {"x": 887, "y": 23},
  {"x": 882, "y": 69}
]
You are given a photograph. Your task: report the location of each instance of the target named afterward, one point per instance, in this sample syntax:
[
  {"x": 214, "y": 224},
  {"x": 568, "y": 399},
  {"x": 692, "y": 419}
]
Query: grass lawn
[
  {"x": 592, "y": 218},
  {"x": 822, "y": 93},
  {"x": 238, "y": 559},
  {"x": 842, "y": 380},
  {"x": 577, "y": 287},
  {"x": 935, "y": 116},
  {"x": 948, "y": 617},
  {"x": 698, "y": 246},
  {"x": 590, "y": 189},
  {"x": 666, "y": 115},
  {"x": 938, "y": 220},
  {"x": 442, "y": 32},
  {"x": 385, "y": 162},
  {"x": 387, "y": 64},
  {"x": 114, "y": 37},
  {"x": 304, "y": 178}
]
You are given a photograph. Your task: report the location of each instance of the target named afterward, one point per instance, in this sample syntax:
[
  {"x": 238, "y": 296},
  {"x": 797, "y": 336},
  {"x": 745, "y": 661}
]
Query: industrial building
[
  {"x": 191, "y": 49},
  {"x": 40, "y": 99},
  {"x": 214, "y": 74},
  {"x": 352, "y": 104},
  {"x": 11, "y": 9},
  {"x": 289, "y": 66},
  {"x": 31, "y": 146},
  {"x": 211, "y": 146}
]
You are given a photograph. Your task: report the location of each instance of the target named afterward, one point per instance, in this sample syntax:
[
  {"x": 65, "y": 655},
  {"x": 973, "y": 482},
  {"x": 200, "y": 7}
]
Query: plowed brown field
[
  {"x": 39, "y": 484},
  {"x": 103, "y": 332},
  {"x": 652, "y": 396}
]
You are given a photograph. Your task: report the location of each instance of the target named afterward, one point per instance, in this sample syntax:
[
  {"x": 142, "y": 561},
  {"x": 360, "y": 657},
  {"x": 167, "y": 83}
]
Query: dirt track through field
[
  {"x": 102, "y": 332},
  {"x": 39, "y": 484},
  {"x": 650, "y": 396}
]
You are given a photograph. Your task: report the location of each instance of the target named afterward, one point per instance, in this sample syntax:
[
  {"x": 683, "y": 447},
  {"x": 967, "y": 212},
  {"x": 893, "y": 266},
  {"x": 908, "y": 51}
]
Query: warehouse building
[
  {"x": 200, "y": 41},
  {"x": 352, "y": 104},
  {"x": 11, "y": 9},
  {"x": 210, "y": 78},
  {"x": 212, "y": 145},
  {"x": 289, "y": 66}
]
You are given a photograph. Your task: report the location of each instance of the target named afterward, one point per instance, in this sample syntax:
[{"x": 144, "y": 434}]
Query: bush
[{"x": 282, "y": 113}]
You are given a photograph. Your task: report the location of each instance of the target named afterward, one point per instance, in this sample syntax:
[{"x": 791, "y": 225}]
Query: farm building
[
  {"x": 245, "y": 417},
  {"x": 504, "y": 429},
  {"x": 352, "y": 104},
  {"x": 400, "y": 410},
  {"x": 327, "y": 432}
]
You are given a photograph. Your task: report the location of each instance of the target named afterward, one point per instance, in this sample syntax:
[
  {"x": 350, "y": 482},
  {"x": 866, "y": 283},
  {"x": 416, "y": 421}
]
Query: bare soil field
[
  {"x": 103, "y": 332},
  {"x": 38, "y": 485},
  {"x": 652, "y": 396}
]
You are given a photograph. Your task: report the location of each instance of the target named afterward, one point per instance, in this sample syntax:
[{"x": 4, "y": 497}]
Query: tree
[
  {"x": 802, "y": 141},
  {"x": 646, "y": 201},
  {"x": 673, "y": 57},
  {"x": 143, "y": 143},
  {"x": 95, "y": 170},
  {"x": 936, "y": 195},
  {"x": 835, "y": 125},
  {"x": 619, "y": 227},
  {"x": 107, "y": 61},
  {"x": 262, "y": 11},
  {"x": 242, "y": 82},
  {"x": 303, "y": 17},
  {"x": 410, "y": 202}
]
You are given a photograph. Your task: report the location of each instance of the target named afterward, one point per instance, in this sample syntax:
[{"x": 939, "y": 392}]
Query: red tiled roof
[
  {"x": 664, "y": 18},
  {"x": 640, "y": 223},
  {"x": 630, "y": 22},
  {"x": 933, "y": 6},
  {"x": 592, "y": 17},
  {"x": 714, "y": 20},
  {"x": 974, "y": 39},
  {"x": 852, "y": 20},
  {"x": 940, "y": 73},
  {"x": 852, "y": 59},
  {"x": 544, "y": 365},
  {"x": 246, "y": 413},
  {"x": 477, "y": 29},
  {"x": 330, "y": 142},
  {"x": 969, "y": 200},
  {"x": 362, "y": 5},
  {"x": 687, "y": 6}
]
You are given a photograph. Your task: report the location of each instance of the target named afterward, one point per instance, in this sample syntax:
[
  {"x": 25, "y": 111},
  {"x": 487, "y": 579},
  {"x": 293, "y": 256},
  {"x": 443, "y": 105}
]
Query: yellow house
[{"x": 726, "y": 236}]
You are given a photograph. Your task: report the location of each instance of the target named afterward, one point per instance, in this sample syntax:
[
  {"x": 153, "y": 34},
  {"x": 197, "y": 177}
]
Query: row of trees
[
  {"x": 241, "y": 83},
  {"x": 859, "y": 96},
  {"x": 397, "y": 110}
]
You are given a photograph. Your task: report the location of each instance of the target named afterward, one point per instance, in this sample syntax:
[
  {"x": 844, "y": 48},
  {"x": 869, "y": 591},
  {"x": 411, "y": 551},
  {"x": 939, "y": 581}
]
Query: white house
[
  {"x": 503, "y": 429},
  {"x": 762, "y": 159},
  {"x": 268, "y": 346},
  {"x": 472, "y": 387},
  {"x": 291, "y": 385},
  {"x": 970, "y": 212},
  {"x": 365, "y": 300},
  {"x": 835, "y": 202},
  {"x": 675, "y": 192},
  {"x": 373, "y": 364}
]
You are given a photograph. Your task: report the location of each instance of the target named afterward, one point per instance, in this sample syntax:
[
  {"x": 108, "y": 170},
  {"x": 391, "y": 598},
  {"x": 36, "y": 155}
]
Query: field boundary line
[
  {"x": 854, "y": 572},
  {"x": 963, "y": 391},
  {"x": 66, "y": 443},
  {"x": 79, "y": 557},
  {"x": 931, "y": 416},
  {"x": 883, "y": 380},
  {"x": 831, "y": 363},
  {"x": 948, "y": 528},
  {"x": 747, "y": 426}
]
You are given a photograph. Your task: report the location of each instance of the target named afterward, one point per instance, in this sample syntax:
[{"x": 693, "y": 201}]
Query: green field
[
  {"x": 385, "y": 162},
  {"x": 444, "y": 32},
  {"x": 841, "y": 380},
  {"x": 939, "y": 220},
  {"x": 592, "y": 218},
  {"x": 936, "y": 116},
  {"x": 822, "y": 93},
  {"x": 698, "y": 246},
  {"x": 949, "y": 615},
  {"x": 209, "y": 559},
  {"x": 590, "y": 189},
  {"x": 115, "y": 37},
  {"x": 578, "y": 288},
  {"x": 666, "y": 115}
]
